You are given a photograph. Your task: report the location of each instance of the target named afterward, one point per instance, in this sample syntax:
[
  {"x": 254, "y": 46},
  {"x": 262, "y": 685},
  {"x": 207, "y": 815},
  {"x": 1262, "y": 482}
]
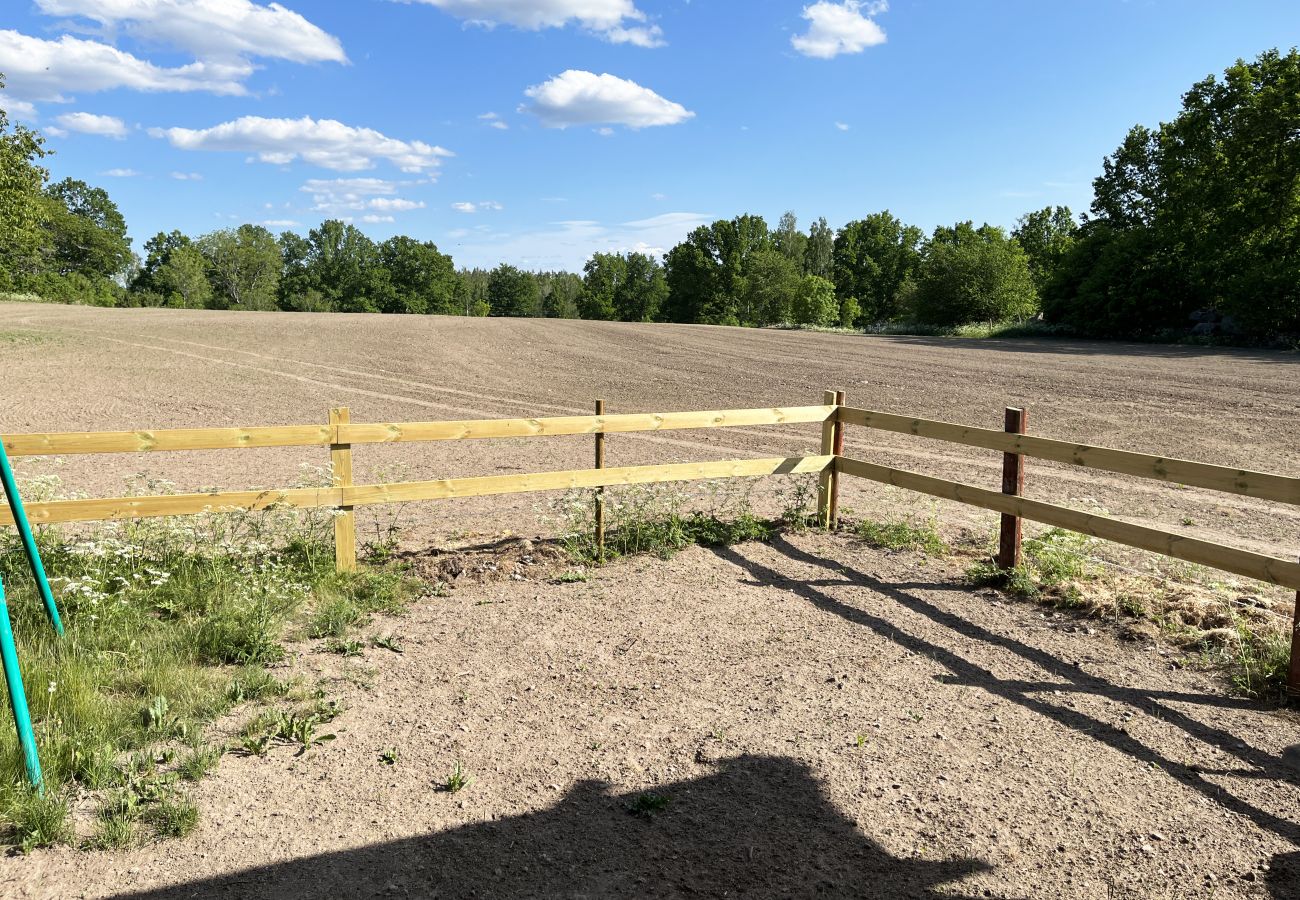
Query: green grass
[
  {"x": 900, "y": 535},
  {"x": 1052, "y": 563},
  {"x": 168, "y": 623}
]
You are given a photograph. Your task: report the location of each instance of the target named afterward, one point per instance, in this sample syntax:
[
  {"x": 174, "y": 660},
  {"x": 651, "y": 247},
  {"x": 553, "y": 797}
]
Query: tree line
[{"x": 1195, "y": 223}]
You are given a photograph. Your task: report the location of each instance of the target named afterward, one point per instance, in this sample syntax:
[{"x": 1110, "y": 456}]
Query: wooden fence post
[
  {"x": 1293, "y": 671},
  {"x": 600, "y": 491},
  {"x": 828, "y": 485},
  {"x": 345, "y": 520},
  {"x": 1013, "y": 482}
]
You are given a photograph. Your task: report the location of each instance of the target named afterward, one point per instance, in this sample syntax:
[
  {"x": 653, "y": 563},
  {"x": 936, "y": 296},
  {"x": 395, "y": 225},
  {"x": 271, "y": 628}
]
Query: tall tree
[
  {"x": 708, "y": 272},
  {"x": 87, "y": 231},
  {"x": 970, "y": 274},
  {"x": 643, "y": 291},
  {"x": 182, "y": 279},
  {"x": 419, "y": 279},
  {"x": 1046, "y": 236},
  {"x": 603, "y": 277},
  {"x": 511, "y": 292},
  {"x": 789, "y": 241},
  {"x": 23, "y": 209},
  {"x": 873, "y": 257},
  {"x": 819, "y": 254},
  {"x": 244, "y": 265}
]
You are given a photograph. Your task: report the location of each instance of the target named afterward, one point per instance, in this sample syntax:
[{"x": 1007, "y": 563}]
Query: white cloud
[
  {"x": 842, "y": 126},
  {"x": 90, "y": 123},
  {"x": 336, "y": 196},
  {"x": 394, "y": 204},
  {"x": 187, "y": 176},
  {"x": 321, "y": 142},
  {"x": 584, "y": 98},
  {"x": 494, "y": 121},
  {"x": 836, "y": 28},
  {"x": 210, "y": 29},
  {"x": 18, "y": 109},
  {"x": 374, "y": 219},
  {"x": 37, "y": 69},
  {"x": 279, "y": 223},
  {"x": 120, "y": 173},
  {"x": 467, "y": 207},
  {"x": 617, "y": 21},
  {"x": 569, "y": 244}
]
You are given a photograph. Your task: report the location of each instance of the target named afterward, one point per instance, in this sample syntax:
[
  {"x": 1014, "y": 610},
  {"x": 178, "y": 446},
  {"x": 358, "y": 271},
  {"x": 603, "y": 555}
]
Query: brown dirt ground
[{"x": 824, "y": 718}]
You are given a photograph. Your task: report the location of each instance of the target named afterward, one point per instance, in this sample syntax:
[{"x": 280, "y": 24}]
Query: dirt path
[{"x": 822, "y": 719}]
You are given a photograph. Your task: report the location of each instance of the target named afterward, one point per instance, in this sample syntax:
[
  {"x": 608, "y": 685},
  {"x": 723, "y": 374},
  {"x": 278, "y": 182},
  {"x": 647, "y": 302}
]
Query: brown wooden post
[
  {"x": 600, "y": 491},
  {"x": 345, "y": 520},
  {"x": 1013, "y": 482},
  {"x": 828, "y": 484},
  {"x": 1293, "y": 671}
]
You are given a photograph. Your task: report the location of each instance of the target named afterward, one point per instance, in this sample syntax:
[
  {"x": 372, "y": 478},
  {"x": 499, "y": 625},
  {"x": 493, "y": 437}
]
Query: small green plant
[
  {"x": 458, "y": 780},
  {"x": 860, "y": 740},
  {"x": 344, "y": 647},
  {"x": 902, "y": 535},
  {"x": 172, "y": 817},
  {"x": 199, "y": 762},
  {"x": 37, "y": 820},
  {"x": 113, "y": 833},
  {"x": 389, "y": 757},
  {"x": 256, "y": 744},
  {"x": 573, "y": 576},
  {"x": 648, "y": 804},
  {"x": 301, "y": 730},
  {"x": 388, "y": 642}
]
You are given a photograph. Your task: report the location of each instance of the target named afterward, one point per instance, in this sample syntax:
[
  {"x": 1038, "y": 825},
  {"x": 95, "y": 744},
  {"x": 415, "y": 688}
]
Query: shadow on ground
[
  {"x": 1066, "y": 678},
  {"x": 761, "y": 826},
  {"x": 1082, "y": 347}
]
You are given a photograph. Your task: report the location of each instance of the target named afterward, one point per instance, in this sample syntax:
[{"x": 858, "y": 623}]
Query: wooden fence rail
[{"x": 340, "y": 435}]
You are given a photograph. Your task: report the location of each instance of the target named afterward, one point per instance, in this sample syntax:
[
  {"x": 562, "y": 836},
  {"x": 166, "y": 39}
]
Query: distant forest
[{"x": 1194, "y": 230}]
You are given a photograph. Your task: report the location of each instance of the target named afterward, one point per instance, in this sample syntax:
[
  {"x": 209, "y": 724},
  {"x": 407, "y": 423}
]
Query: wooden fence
[{"x": 340, "y": 436}]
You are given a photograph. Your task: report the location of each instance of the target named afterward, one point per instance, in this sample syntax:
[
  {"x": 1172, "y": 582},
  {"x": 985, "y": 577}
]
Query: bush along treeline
[{"x": 1194, "y": 230}]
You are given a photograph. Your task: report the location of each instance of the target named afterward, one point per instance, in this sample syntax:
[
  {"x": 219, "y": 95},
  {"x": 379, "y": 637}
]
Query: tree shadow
[
  {"x": 760, "y": 827},
  {"x": 1033, "y": 694},
  {"x": 1082, "y": 347}
]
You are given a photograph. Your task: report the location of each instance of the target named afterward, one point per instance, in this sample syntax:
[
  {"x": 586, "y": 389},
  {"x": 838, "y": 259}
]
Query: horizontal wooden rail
[
  {"x": 72, "y": 443},
  {"x": 1229, "y": 559},
  {"x": 451, "y": 488},
  {"x": 114, "y": 508},
  {"x": 58, "y": 511},
  {"x": 1263, "y": 485}
]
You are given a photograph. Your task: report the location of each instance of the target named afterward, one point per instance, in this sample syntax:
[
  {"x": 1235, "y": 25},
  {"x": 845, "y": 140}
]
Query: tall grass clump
[
  {"x": 663, "y": 519},
  {"x": 168, "y": 623}
]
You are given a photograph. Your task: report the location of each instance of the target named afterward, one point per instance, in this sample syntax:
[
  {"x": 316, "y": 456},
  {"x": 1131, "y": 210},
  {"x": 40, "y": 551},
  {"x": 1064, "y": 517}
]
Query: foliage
[
  {"x": 511, "y": 292},
  {"x": 1046, "y": 236},
  {"x": 902, "y": 535},
  {"x": 814, "y": 302},
  {"x": 873, "y": 257},
  {"x": 970, "y": 274},
  {"x": 244, "y": 265}
]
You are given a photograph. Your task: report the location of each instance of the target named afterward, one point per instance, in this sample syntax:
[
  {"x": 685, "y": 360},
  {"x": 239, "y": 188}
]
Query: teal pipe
[
  {"x": 29, "y": 542},
  {"x": 17, "y": 696}
]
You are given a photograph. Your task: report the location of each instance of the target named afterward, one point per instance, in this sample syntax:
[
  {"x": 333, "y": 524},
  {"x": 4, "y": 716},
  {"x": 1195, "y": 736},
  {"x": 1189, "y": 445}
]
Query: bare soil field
[{"x": 817, "y": 718}]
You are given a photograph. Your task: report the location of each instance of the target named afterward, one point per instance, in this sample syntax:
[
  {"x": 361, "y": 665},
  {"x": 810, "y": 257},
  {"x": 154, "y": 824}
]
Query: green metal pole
[
  {"x": 17, "y": 696},
  {"x": 29, "y": 542}
]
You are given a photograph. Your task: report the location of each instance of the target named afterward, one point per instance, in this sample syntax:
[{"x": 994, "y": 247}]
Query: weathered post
[
  {"x": 828, "y": 484},
  {"x": 1013, "y": 482},
  {"x": 345, "y": 521},
  {"x": 600, "y": 491}
]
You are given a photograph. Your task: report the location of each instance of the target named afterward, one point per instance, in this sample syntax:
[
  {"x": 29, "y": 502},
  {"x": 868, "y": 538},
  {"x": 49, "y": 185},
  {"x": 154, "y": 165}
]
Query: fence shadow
[
  {"x": 760, "y": 827},
  {"x": 1066, "y": 678},
  {"x": 1082, "y": 347}
]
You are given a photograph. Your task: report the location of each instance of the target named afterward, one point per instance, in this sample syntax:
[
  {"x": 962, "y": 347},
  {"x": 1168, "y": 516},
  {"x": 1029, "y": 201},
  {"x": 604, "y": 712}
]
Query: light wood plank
[
  {"x": 560, "y": 425},
  {"x": 113, "y": 508},
  {"x": 345, "y": 520},
  {"x": 1264, "y": 485},
  {"x": 77, "y": 442},
  {"x": 452, "y": 488},
  {"x": 1228, "y": 559}
]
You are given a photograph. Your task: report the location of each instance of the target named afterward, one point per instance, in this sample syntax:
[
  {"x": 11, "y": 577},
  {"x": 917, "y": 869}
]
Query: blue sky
[{"x": 539, "y": 131}]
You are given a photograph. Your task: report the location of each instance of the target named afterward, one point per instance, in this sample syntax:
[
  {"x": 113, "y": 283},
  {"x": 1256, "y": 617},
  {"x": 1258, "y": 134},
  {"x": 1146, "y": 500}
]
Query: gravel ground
[{"x": 821, "y": 718}]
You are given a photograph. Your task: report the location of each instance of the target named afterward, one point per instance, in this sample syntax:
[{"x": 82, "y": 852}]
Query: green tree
[
  {"x": 970, "y": 274},
  {"x": 643, "y": 291},
  {"x": 773, "y": 282},
  {"x": 244, "y": 266},
  {"x": 182, "y": 279},
  {"x": 819, "y": 253},
  {"x": 1203, "y": 211},
  {"x": 1046, "y": 236},
  {"x": 873, "y": 257},
  {"x": 789, "y": 241},
  {"x": 418, "y": 278},
  {"x": 87, "y": 231},
  {"x": 707, "y": 274},
  {"x": 814, "y": 302},
  {"x": 603, "y": 277},
  {"x": 511, "y": 292},
  {"x": 23, "y": 209}
]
